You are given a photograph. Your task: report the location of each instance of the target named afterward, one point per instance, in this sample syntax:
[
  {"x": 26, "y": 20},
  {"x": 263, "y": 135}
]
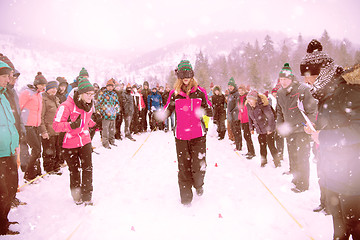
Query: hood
[
  {"x": 352, "y": 75},
  {"x": 263, "y": 98},
  {"x": 216, "y": 87}
]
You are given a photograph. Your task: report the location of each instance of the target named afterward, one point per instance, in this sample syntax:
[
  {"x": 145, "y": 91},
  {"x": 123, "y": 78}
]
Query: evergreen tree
[
  {"x": 326, "y": 43},
  {"x": 171, "y": 79},
  {"x": 344, "y": 58},
  {"x": 202, "y": 70},
  {"x": 357, "y": 57}
]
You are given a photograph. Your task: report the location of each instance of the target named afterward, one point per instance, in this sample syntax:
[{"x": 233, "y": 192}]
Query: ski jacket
[
  {"x": 154, "y": 100},
  {"x": 9, "y": 139},
  {"x": 13, "y": 99},
  {"x": 232, "y": 106},
  {"x": 218, "y": 103},
  {"x": 49, "y": 109},
  {"x": 107, "y": 104},
  {"x": 30, "y": 101},
  {"x": 287, "y": 110},
  {"x": 243, "y": 112},
  {"x": 188, "y": 113},
  {"x": 68, "y": 112},
  {"x": 261, "y": 117},
  {"x": 339, "y": 124},
  {"x": 139, "y": 101},
  {"x": 129, "y": 104},
  {"x": 145, "y": 93}
]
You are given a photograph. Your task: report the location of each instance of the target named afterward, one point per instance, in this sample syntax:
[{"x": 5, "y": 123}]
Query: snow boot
[
  {"x": 200, "y": 191},
  {"x": 263, "y": 162}
]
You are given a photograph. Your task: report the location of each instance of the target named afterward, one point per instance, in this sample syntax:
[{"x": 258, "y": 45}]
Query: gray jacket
[{"x": 287, "y": 110}]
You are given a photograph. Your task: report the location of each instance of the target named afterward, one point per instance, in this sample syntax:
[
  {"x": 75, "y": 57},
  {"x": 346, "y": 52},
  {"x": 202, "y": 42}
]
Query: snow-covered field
[{"x": 136, "y": 196}]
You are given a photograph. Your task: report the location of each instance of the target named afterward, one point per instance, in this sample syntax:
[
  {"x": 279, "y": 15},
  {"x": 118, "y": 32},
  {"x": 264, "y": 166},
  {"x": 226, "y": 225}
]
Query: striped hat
[
  {"x": 4, "y": 68},
  {"x": 40, "y": 79},
  {"x": 51, "y": 84},
  {"x": 286, "y": 72},
  {"x": 6, "y": 60},
  {"x": 184, "y": 70},
  {"x": 84, "y": 85},
  {"x": 83, "y": 72}
]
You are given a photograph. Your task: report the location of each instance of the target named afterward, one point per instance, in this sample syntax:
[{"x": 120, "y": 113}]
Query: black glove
[{"x": 76, "y": 123}]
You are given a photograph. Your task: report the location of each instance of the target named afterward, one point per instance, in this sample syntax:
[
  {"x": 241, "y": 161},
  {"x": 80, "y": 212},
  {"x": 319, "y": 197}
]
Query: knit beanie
[
  {"x": 16, "y": 73},
  {"x": 184, "y": 70},
  {"x": 83, "y": 72},
  {"x": 6, "y": 60},
  {"x": 51, "y": 84},
  {"x": 84, "y": 86},
  {"x": 39, "y": 79},
  {"x": 243, "y": 87},
  {"x": 111, "y": 82},
  {"x": 61, "y": 80},
  {"x": 253, "y": 94},
  {"x": 286, "y": 72},
  {"x": 232, "y": 82},
  {"x": 4, "y": 68},
  {"x": 315, "y": 59}
]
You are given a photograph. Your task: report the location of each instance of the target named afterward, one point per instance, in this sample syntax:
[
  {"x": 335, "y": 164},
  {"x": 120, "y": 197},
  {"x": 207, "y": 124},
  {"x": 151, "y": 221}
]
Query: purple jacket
[{"x": 189, "y": 111}]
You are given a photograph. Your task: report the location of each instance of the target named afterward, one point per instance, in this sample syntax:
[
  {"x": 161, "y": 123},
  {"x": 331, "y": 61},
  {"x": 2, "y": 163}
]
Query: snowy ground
[{"x": 136, "y": 196}]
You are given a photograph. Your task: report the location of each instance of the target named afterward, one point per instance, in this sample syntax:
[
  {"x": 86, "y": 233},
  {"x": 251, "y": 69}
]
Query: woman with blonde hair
[{"x": 190, "y": 103}]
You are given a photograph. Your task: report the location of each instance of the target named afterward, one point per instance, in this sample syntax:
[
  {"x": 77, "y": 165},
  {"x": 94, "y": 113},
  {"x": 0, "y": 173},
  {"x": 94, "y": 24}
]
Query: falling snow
[{"x": 137, "y": 197}]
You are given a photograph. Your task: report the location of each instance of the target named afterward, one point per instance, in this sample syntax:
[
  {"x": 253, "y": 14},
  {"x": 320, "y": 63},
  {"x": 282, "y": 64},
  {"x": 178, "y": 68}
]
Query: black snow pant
[
  {"x": 247, "y": 135},
  {"x": 345, "y": 211},
  {"x": 268, "y": 140},
  {"x": 118, "y": 121},
  {"x": 79, "y": 161},
  {"x": 51, "y": 154},
  {"x": 34, "y": 141},
  {"x": 236, "y": 130},
  {"x": 8, "y": 188},
  {"x": 299, "y": 153},
  {"x": 191, "y": 156},
  {"x": 24, "y": 154},
  {"x": 279, "y": 142},
  {"x": 221, "y": 129}
]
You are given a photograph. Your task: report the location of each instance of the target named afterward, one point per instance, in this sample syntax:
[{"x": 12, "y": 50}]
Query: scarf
[{"x": 325, "y": 84}]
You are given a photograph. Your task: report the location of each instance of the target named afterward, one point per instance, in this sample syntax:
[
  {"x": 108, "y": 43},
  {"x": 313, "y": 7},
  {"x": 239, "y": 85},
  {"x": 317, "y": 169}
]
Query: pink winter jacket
[
  {"x": 189, "y": 113},
  {"x": 243, "y": 113},
  {"x": 30, "y": 101},
  {"x": 74, "y": 138}
]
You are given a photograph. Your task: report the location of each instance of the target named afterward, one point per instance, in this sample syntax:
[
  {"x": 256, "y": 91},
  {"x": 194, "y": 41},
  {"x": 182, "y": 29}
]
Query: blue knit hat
[{"x": 51, "y": 84}]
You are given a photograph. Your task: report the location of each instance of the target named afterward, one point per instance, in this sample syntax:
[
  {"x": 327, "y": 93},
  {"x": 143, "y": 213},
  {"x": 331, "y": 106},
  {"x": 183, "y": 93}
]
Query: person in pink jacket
[
  {"x": 73, "y": 118},
  {"x": 30, "y": 101},
  {"x": 244, "y": 119},
  {"x": 190, "y": 103}
]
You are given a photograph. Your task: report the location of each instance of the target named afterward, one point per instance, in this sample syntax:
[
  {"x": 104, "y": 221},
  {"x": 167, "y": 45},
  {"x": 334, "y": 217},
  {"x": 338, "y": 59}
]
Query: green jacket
[{"x": 9, "y": 137}]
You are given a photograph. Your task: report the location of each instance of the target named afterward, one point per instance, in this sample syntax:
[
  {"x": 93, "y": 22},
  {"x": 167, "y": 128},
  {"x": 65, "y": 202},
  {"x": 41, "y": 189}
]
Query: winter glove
[{"x": 76, "y": 123}]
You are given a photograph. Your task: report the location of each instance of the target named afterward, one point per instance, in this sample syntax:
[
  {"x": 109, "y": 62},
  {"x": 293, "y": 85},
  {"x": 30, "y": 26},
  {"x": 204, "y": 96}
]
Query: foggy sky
[{"x": 146, "y": 25}]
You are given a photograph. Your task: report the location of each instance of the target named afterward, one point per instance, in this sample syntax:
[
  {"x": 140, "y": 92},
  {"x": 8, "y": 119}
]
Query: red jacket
[
  {"x": 243, "y": 113},
  {"x": 30, "y": 101},
  {"x": 78, "y": 137}
]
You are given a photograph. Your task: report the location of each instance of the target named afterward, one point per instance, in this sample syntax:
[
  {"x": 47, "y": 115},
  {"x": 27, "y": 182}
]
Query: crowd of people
[{"x": 56, "y": 121}]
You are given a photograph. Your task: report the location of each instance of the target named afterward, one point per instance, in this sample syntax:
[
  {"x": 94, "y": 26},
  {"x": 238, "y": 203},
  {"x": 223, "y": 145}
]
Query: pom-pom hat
[{"x": 315, "y": 59}]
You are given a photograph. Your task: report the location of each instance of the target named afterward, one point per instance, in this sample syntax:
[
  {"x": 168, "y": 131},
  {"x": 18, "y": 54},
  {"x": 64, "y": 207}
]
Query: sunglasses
[{"x": 184, "y": 74}]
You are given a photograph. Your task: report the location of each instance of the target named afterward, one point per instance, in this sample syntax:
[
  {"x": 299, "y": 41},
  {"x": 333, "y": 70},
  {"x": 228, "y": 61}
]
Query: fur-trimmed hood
[
  {"x": 264, "y": 99},
  {"x": 352, "y": 75}
]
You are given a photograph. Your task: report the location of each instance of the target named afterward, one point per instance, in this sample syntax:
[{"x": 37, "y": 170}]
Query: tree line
[{"x": 258, "y": 65}]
